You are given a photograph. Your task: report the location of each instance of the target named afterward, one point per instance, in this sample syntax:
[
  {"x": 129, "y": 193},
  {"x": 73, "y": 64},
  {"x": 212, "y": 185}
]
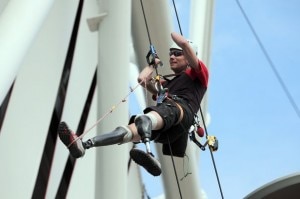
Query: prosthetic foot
[
  {"x": 68, "y": 138},
  {"x": 146, "y": 160}
]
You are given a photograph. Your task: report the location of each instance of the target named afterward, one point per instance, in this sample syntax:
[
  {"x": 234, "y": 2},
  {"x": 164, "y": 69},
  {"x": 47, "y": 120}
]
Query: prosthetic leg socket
[
  {"x": 118, "y": 136},
  {"x": 144, "y": 127}
]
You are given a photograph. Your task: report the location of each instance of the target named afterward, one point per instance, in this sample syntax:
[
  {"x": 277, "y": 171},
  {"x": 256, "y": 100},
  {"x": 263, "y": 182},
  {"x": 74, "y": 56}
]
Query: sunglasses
[{"x": 176, "y": 53}]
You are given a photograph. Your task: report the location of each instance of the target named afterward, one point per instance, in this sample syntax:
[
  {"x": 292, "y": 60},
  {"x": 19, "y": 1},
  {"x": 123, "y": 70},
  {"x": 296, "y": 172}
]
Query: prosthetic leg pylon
[{"x": 146, "y": 160}]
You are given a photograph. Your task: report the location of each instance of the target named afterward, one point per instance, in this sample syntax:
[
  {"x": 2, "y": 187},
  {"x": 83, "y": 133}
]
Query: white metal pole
[
  {"x": 113, "y": 85},
  {"x": 19, "y": 24}
]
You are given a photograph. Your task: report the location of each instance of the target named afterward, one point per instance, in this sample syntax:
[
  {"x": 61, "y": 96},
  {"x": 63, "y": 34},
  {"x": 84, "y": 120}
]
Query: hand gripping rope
[
  {"x": 162, "y": 93},
  {"x": 150, "y": 57}
]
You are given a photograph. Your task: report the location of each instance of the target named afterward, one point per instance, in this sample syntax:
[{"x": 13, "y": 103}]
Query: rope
[
  {"x": 105, "y": 115},
  {"x": 284, "y": 87},
  {"x": 108, "y": 112},
  {"x": 174, "y": 167},
  {"x": 145, "y": 19},
  {"x": 211, "y": 154},
  {"x": 177, "y": 17},
  {"x": 157, "y": 79}
]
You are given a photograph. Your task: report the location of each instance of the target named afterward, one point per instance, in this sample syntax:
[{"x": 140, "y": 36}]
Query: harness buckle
[{"x": 161, "y": 95}]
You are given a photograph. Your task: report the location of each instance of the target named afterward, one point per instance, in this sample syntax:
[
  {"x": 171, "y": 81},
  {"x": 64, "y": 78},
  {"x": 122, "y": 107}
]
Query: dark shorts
[{"x": 173, "y": 136}]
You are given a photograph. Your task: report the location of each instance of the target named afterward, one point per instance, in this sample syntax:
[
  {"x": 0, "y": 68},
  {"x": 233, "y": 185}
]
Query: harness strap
[
  {"x": 180, "y": 109},
  {"x": 181, "y": 113}
]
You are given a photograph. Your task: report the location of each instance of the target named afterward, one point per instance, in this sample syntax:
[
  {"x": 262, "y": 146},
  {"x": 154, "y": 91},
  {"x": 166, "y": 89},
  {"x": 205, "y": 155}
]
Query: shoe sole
[
  {"x": 65, "y": 134},
  {"x": 147, "y": 161}
]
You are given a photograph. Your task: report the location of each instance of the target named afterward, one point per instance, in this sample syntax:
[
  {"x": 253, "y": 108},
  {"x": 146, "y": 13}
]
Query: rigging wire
[
  {"x": 151, "y": 49},
  {"x": 176, "y": 176},
  {"x": 281, "y": 82},
  {"x": 110, "y": 110},
  {"x": 212, "y": 156},
  {"x": 146, "y": 22},
  {"x": 203, "y": 121},
  {"x": 177, "y": 18},
  {"x": 124, "y": 99},
  {"x": 105, "y": 114}
]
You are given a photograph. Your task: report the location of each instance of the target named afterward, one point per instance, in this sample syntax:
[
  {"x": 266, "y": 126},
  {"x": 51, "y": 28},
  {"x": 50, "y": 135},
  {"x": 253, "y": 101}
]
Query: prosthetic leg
[
  {"x": 118, "y": 136},
  {"x": 146, "y": 160},
  {"x": 77, "y": 147}
]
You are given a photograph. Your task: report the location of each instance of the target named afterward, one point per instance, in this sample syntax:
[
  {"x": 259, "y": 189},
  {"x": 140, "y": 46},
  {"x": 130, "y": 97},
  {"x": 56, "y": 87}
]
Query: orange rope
[{"x": 108, "y": 112}]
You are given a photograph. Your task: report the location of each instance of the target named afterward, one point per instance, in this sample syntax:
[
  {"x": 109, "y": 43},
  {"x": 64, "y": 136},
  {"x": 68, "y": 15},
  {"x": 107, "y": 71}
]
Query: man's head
[
  {"x": 178, "y": 62},
  {"x": 194, "y": 46}
]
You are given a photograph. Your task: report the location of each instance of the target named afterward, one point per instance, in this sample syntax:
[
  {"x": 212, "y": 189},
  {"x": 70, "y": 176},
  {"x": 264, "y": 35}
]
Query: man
[{"x": 167, "y": 122}]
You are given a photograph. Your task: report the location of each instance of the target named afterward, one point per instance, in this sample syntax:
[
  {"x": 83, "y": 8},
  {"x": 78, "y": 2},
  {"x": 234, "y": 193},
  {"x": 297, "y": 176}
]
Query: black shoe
[
  {"x": 147, "y": 161},
  {"x": 68, "y": 138}
]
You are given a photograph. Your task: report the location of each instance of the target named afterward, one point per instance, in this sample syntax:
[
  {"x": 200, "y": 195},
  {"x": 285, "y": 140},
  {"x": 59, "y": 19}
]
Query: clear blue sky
[{"x": 257, "y": 126}]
